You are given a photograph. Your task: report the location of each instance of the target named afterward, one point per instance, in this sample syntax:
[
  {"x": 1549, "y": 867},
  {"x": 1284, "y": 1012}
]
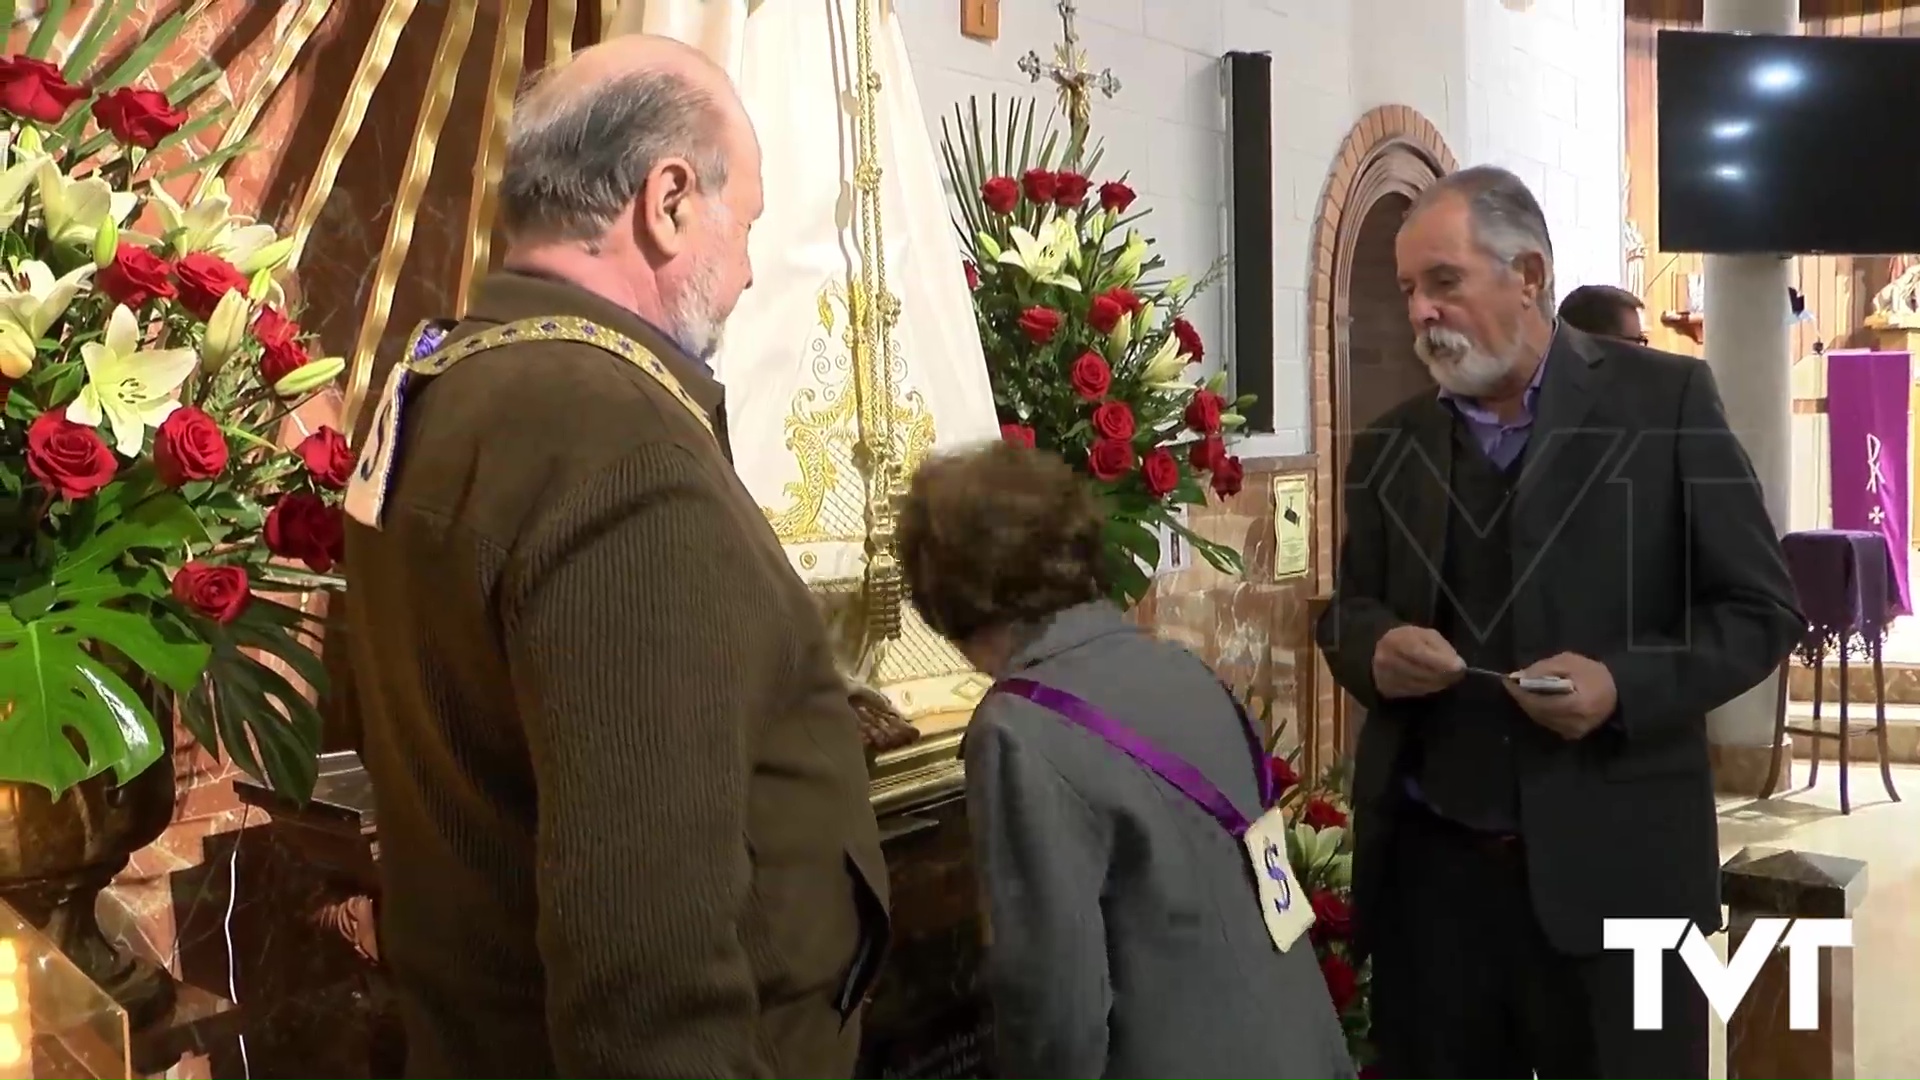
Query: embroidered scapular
[{"x": 425, "y": 357}]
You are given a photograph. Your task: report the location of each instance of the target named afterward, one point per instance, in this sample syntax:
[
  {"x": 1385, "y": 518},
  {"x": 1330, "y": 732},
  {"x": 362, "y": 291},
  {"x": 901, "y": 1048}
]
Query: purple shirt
[{"x": 1499, "y": 439}]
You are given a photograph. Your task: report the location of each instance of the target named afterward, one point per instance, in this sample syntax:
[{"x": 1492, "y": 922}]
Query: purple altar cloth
[{"x": 1845, "y": 581}]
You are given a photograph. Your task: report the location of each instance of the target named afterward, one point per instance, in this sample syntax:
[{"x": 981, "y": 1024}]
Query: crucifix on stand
[{"x": 1074, "y": 77}]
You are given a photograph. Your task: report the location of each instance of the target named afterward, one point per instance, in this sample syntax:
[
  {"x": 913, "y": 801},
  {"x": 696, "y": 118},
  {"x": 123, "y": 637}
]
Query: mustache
[{"x": 1440, "y": 343}]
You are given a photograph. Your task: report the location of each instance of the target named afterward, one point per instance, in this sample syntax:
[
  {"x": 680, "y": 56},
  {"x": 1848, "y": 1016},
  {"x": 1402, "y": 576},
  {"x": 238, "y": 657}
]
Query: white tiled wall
[{"x": 1534, "y": 85}]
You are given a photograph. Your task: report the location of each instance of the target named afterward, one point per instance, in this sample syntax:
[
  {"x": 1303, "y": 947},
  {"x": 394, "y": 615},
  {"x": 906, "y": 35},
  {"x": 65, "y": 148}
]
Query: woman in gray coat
[{"x": 1126, "y": 934}]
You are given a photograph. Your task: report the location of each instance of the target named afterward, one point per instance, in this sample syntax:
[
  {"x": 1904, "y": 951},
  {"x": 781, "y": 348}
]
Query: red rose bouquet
[
  {"x": 1087, "y": 350},
  {"x": 1320, "y": 848},
  {"x": 145, "y": 507}
]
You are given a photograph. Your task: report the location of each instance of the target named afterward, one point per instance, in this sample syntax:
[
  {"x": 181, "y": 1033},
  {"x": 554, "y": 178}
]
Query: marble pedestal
[{"x": 1763, "y": 883}]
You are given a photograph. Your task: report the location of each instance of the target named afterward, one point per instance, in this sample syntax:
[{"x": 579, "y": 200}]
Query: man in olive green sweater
[{"x": 623, "y": 802}]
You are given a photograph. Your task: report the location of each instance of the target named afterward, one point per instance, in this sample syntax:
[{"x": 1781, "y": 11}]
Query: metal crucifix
[{"x": 1074, "y": 77}]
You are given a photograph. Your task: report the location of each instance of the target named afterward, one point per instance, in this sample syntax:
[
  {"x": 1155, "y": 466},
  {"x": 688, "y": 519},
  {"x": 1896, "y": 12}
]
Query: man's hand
[
  {"x": 1573, "y": 715},
  {"x": 1413, "y": 661}
]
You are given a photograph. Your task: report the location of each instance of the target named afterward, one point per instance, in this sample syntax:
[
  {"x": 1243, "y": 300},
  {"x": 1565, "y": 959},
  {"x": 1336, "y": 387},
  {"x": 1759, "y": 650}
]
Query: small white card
[{"x": 1283, "y": 902}]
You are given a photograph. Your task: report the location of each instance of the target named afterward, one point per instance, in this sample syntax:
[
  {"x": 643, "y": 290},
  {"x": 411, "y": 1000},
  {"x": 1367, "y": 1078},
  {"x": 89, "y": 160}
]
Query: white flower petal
[
  {"x": 123, "y": 332},
  {"x": 86, "y": 408},
  {"x": 129, "y": 432},
  {"x": 161, "y": 371}
]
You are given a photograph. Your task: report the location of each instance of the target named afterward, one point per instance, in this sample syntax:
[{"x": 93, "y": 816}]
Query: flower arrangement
[
  {"x": 1087, "y": 351},
  {"x": 145, "y": 506},
  {"x": 1320, "y": 850}
]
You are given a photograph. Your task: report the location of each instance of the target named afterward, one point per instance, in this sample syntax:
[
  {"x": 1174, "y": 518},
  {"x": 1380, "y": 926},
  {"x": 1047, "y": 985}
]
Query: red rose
[
  {"x": 270, "y": 328},
  {"x": 34, "y": 90},
  {"x": 1207, "y": 454},
  {"x": 136, "y": 276},
  {"x": 1203, "y": 412},
  {"x": 1091, "y": 376},
  {"x": 188, "y": 446},
  {"x": 1104, "y": 313},
  {"x": 1114, "y": 420},
  {"x": 1321, "y": 814},
  {"x": 1070, "y": 188},
  {"x": 204, "y": 279},
  {"x": 302, "y": 526},
  {"x": 138, "y": 117},
  {"x": 1110, "y": 459},
  {"x": 1332, "y": 915},
  {"x": 68, "y": 459},
  {"x": 973, "y": 274},
  {"x": 1126, "y": 299},
  {"x": 1040, "y": 324},
  {"x": 1280, "y": 773},
  {"x": 1160, "y": 471},
  {"x": 279, "y": 361},
  {"x": 1040, "y": 185},
  {"x": 1190, "y": 342},
  {"x": 1342, "y": 981},
  {"x": 219, "y": 593},
  {"x": 1370, "y": 1072},
  {"x": 1227, "y": 477},
  {"x": 1017, "y": 434},
  {"x": 1000, "y": 194},
  {"x": 327, "y": 457},
  {"x": 1115, "y": 196}
]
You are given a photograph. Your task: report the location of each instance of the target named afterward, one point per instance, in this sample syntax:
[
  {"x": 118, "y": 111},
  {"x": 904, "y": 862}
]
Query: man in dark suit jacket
[
  {"x": 1565, "y": 507},
  {"x": 624, "y": 812}
]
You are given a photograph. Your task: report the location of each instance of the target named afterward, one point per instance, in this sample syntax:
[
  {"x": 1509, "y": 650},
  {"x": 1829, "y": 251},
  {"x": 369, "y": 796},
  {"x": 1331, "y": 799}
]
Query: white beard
[{"x": 1460, "y": 365}]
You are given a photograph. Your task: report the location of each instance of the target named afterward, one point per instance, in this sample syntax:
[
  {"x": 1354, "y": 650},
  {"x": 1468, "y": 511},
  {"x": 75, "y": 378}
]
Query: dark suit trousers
[{"x": 1465, "y": 984}]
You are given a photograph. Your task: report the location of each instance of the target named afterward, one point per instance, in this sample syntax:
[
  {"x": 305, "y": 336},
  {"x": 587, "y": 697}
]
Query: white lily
[
  {"x": 36, "y": 299},
  {"x": 1044, "y": 257},
  {"x": 1163, "y": 370},
  {"x": 210, "y": 225},
  {"x": 1126, "y": 266},
  {"x": 129, "y": 387},
  {"x": 225, "y": 330},
  {"x": 75, "y": 209},
  {"x": 14, "y": 182},
  {"x": 17, "y": 352}
]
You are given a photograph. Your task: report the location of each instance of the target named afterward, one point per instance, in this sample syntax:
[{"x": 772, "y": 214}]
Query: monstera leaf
[
  {"x": 72, "y": 646},
  {"x": 252, "y": 712}
]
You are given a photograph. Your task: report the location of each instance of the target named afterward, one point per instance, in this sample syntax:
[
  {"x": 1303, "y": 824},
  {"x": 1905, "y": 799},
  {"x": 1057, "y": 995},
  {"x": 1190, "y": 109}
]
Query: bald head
[
  {"x": 633, "y": 172},
  {"x": 587, "y": 135}
]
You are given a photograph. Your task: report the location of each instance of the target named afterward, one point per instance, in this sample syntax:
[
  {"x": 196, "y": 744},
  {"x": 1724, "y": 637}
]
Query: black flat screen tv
[{"x": 1788, "y": 145}]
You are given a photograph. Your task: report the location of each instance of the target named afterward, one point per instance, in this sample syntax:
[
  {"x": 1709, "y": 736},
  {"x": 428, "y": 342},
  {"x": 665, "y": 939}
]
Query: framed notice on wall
[{"x": 1292, "y": 525}]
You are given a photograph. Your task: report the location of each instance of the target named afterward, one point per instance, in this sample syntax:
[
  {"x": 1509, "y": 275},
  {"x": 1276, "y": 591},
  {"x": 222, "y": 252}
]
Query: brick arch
[{"x": 1391, "y": 151}]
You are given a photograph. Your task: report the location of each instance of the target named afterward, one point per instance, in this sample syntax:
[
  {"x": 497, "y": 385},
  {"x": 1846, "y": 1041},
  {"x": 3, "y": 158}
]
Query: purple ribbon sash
[{"x": 1169, "y": 767}]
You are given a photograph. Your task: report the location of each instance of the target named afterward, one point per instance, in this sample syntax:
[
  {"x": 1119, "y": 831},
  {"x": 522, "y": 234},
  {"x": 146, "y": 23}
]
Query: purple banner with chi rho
[{"x": 1868, "y": 419}]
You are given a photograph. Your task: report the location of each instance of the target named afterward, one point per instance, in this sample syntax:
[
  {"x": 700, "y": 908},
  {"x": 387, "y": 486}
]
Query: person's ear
[
  {"x": 666, "y": 200},
  {"x": 1532, "y": 268}
]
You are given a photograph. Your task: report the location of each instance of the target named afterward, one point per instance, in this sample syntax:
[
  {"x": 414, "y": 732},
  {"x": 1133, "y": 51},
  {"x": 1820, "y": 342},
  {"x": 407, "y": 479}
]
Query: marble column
[
  {"x": 1750, "y": 351},
  {"x": 1769, "y": 883}
]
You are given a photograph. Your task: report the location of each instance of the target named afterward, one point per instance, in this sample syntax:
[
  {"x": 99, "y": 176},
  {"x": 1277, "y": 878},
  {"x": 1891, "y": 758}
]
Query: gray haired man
[{"x": 1552, "y": 570}]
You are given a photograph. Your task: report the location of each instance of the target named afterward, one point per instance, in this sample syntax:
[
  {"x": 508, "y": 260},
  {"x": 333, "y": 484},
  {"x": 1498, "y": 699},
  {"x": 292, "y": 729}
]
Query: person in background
[
  {"x": 1604, "y": 311},
  {"x": 624, "y": 817},
  {"x": 1553, "y": 569},
  {"x": 1126, "y": 936}
]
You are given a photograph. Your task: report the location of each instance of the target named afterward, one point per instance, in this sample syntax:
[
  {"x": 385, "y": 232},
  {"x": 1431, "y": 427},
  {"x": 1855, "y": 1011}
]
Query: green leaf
[
  {"x": 60, "y": 687},
  {"x": 212, "y": 160},
  {"x": 1126, "y": 581},
  {"x": 47, "y": 29},
  {"x": 163, "y": 522},
  {"x": 1133, "y": 538},
  {"x": 6, "y": 16},
  {"x": 263, "y": 723},
  {"x": 108, "y": 17},
  {"x": 155, "y": 43}
]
